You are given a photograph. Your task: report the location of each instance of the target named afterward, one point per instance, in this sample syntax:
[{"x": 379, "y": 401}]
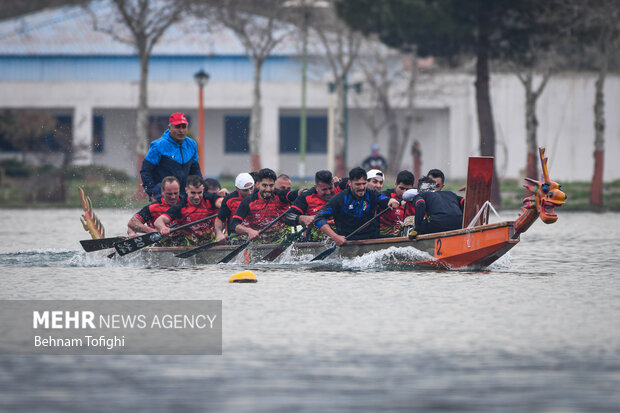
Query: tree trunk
[
  {"x": 255, "y": 119},
  {"x": 531, "y": 125},
  {"x": 393, "y": 148},
  {"x": 416, "y": 152},
  {"x": 62, "y": 191},
  {"x": 483, "y": 100},
  {"x": 142, "y": 143},
  {"x": 339, "y": 143},
  {"x": 596, "y": 191}
]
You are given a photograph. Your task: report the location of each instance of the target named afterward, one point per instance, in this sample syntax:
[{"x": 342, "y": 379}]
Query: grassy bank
[{"x": 40, "y": 187}]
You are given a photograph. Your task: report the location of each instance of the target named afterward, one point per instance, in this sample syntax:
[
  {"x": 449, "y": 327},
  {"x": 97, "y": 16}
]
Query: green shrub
[{"x": 15, "y": 169}]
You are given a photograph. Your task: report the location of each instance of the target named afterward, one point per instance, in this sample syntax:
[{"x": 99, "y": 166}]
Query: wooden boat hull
[{"x": 469, "y": 247}]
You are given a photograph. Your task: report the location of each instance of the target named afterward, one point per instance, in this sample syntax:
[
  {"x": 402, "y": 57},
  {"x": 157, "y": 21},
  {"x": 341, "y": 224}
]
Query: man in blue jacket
[
  {"x": 352, "y": 208},
  {"x": 173, "y": 154}
]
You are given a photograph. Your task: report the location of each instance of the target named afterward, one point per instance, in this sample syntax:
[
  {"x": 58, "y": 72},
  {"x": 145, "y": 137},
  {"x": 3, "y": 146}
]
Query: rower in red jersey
[
  {"x": 391, "y": 222},
  {"x": 309, "y": 203},
  {"x": 264, "y": 205},
  {"x": 143, "y": 221},
  {"x": 245, "y": 186},
  {"x": 197, "y": 205}
]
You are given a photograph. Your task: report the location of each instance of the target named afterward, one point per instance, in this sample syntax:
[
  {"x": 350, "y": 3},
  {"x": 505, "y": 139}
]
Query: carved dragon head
[{"x": 547, "y": 195}]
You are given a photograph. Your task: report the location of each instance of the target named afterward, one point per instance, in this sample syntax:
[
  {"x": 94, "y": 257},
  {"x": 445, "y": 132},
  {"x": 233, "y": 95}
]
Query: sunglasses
[{"x": 180, "y": 126}]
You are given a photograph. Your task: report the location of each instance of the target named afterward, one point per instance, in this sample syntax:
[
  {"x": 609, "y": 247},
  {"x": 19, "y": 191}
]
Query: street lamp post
[{"x": 201, "y": 78}]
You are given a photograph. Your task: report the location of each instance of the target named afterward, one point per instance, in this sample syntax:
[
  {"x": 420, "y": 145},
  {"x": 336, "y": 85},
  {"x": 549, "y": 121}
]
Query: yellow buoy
[{"x": 246, "y": 276}]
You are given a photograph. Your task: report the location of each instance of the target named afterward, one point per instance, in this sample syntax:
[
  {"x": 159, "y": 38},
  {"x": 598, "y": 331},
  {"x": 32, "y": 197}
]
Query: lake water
[{"x": 538, "y": 331}]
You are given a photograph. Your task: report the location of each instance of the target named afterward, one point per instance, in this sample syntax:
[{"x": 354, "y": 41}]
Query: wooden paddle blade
[
  {"x": 324, "y": 254},
  {"x": 479, "y": 177},
  {"x": 133, "y": 244},
  {"x": 91, "y": 245},
  {"x": 275, "y": 253},
  {"x": 197, "y": 250},
  {"x": 234, "y": 253}
]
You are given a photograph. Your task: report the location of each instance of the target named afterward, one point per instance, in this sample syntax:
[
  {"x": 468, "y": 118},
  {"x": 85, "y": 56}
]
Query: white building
[{"x": 54, "y": 60}]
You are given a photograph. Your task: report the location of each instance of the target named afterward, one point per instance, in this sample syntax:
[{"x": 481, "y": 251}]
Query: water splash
[
  {"x": 53, "y": 257},
  {"x": 390, "y": 258},
  {"x": 48, "y": 257},
  {"x": 503, "y": 263}
]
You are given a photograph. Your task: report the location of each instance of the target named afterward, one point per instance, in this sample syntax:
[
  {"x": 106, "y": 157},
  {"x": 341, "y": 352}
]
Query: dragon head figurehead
[{"x": 546, "y": 196}]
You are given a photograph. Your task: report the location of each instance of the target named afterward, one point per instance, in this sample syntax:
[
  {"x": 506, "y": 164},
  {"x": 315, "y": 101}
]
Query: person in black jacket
[
  {"x": 352, "y": 208},
  {"x": 436, "y": 211}
]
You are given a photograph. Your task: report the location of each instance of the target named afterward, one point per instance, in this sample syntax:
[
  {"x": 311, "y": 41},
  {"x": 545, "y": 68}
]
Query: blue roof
[{"x": 70, "y": 31}]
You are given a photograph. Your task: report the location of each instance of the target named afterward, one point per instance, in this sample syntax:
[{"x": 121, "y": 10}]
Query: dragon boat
[{"x": 477, "y": 245}]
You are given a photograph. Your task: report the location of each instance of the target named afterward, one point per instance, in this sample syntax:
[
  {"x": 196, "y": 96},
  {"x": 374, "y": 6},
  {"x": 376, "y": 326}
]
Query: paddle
[
  {"x": 275, "y": 253},
  {"x": 134, "y": 244},
  {"x": 97, "y": 244},
  {"x": 199, "y": 249},
  {"x": 331, "y": 249},
  {"x": 241, "y": 247}
]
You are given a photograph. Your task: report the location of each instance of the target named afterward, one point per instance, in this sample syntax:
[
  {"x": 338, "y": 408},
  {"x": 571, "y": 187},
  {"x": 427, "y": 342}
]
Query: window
[
  {"x": 236, "y": 131},
  {"x": 316, "y": 135},
  {"x": 98, "y": 135},
  {"x": 61, "y": 138},
  {"x": 40, "y": 131}
]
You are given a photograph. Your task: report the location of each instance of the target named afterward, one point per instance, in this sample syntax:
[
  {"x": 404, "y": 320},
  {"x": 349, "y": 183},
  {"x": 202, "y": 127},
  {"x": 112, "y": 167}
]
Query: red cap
[{"x": 178, "y": 118}]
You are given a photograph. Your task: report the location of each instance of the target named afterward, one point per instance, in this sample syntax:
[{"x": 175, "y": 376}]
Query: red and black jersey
[
  {"x": 257, "y": 212},
  {"x": 392, "y": 220},
  {"x": 151, "y": 212},
  {"x": 184, "y": 213},
  {"x": 308, "y": 203},
  {"x": 341, "y": 185},
  {"x": 229, "y": 207},
  {"x": 409, "y": 209}
]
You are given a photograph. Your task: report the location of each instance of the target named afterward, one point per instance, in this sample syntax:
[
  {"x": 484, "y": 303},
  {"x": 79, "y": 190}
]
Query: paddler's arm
[
  {"x": 136, "y": 226},
  {"x": 320, "y": 220},
  {"x": 420, "y": 212},
  {"x": 174, "y": 212},
  {"x": 236, "y": 224},
  {"x": 306, "y": 220},
  {"x": 338, "y": 239},
  {"x": 385, "y": 202},
  {"x": 161, "y": 224},
  {"x": 296, "y": 217},
  {"x": 242, "y": 229},
  {"x": 219, "y": 230},
  {"x": 137, "y": 222}
]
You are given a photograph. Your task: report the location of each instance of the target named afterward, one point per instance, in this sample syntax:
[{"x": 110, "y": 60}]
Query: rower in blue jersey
[
  {"x": 352, "y": 208},
  {"x": 174, "y": 154}
]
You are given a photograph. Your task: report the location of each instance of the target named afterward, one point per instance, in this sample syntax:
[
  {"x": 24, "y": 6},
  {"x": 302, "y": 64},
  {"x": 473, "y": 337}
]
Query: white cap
[
  {"x": 244, "y": 181},
  {"x": 374, "y": 173},
  {"x": 410, "y": 194}
]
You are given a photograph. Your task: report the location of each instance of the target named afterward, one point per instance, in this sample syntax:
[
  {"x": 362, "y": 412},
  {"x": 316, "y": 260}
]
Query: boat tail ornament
[
  {"x": 546, "y": 196},
  {"x": 90, "y": 222}
]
